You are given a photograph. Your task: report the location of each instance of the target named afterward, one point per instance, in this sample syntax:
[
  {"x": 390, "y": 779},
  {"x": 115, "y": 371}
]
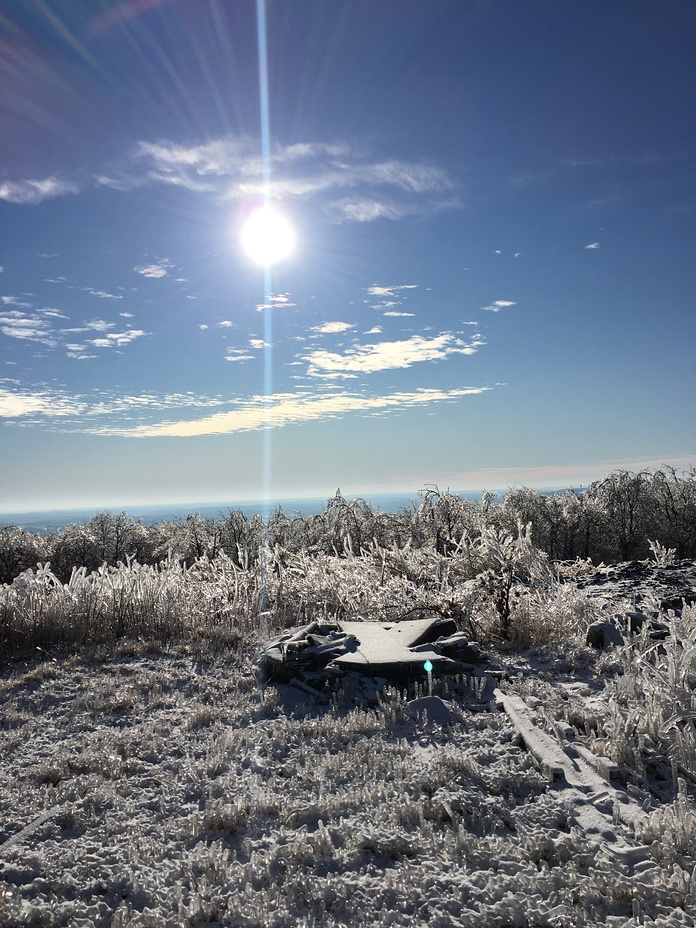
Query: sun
[{"x": 267, "y": 236}]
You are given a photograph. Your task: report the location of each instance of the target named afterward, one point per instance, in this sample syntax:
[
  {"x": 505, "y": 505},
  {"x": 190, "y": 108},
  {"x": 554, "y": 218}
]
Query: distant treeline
[{"x": 614, "y": 519}]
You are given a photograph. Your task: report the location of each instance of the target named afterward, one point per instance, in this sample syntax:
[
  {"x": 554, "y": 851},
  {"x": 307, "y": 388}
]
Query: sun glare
[{"x": 267, "y": 236}]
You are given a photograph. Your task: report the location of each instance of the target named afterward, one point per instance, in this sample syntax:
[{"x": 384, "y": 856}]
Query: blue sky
[{"x": 493, "y": 279}]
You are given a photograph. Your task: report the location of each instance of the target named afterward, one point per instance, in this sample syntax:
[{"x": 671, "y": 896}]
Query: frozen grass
[
  {"x": 151, "y": 787},
  {"x": 216, "y": 600},
  {"x": 143, "y": 781},
  {"x": 653, "y": 701},
  {"x": 497, "y": 585}
]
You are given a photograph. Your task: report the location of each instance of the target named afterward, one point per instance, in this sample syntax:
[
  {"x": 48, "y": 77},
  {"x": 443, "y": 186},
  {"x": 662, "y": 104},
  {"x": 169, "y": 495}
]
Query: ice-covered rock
[
  {"x": 603, "y": 634},
  {"x": 394, "y": 650},
  {"x": 609, "y": 632}
]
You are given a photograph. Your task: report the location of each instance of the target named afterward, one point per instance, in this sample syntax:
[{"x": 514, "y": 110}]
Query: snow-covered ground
[{"x": 160, "y": 787}]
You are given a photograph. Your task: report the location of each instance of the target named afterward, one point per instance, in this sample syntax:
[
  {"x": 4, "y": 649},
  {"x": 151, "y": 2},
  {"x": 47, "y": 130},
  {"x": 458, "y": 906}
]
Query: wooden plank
[{"x": 595, "y": 802}]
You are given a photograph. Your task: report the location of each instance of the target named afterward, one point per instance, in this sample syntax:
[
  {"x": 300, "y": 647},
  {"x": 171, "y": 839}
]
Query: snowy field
[{"x": 159, "y": 787}]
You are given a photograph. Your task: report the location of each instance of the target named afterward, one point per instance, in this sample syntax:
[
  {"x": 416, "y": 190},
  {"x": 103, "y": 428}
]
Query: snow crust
[
  {"x": 156, "y": 789},
  {"x": 387, "y": 643},
  {"x": 594, "y": 801}
]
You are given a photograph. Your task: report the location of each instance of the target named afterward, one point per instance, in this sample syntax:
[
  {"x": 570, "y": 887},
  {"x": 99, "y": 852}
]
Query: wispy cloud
[
  {"x": 498, "y": 305},
  {"x": 312, "y": 150},
  {"x": 42, "y": 403},
  {"x": 368, "y": 359},
  {"x": 157, "y": 269},
  {"x": 35, "y": 191},
  {"x": 100, "y": 325},
  {"x": 366, "y": 209},
  {"x": 187, "y": 166},
  {"x": 124, "y": 182},
  {"x": 346, "y": 184},
  {"x": 375, "y": 330},
  {"x": 21, "y": 322},
  {"x": 117, "y": 339},
  {"x": 27, "y": 327},
  {"x": 110, "y": 404},
  {"x": 99, "y": 412},
  {"x": 411, "y": 176},
  {"x": 389, "y": 292},
  {"x": 230, "y": 168},
  {"x": 390, "y": 297},
  {"x": 278, "y": 410},
  {"x": 16, "y": 403},
  {"x": 329, "y": 328},
  {"x": 107, "y": 340},
  {"x": 79, "y": 352},
  {"x": 102, "y": 294},
  {"x": 14, "y": 301},
  {"x": 592, "y": 246},
  {"x": 276, "y": 301},
  {"x": 239, "y": 354}
]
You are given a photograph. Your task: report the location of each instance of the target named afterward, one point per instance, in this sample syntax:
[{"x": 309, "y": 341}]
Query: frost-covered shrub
[
  {"x": 654, "y": 699},
  {"x": 167, "y": 601},
  {"x": 378, "y": 584},
  {"x": 513, "y": 569},
  {"x": 663, "y": 556},
  {"x": 612, "y": 520},
  {"x": 562, "y": 613},
  {"x": 672, "y": 832},
  {"x": 19, "y": 550}
]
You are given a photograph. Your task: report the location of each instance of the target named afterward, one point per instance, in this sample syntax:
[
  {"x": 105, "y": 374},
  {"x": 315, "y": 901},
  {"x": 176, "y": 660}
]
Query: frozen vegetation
[{"x": 147, "y": 777}]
